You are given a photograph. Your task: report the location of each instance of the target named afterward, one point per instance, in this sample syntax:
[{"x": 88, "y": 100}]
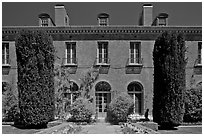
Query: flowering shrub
[
  {"x": 81, "y": 110},
  {"x": 120, "y": 108}
]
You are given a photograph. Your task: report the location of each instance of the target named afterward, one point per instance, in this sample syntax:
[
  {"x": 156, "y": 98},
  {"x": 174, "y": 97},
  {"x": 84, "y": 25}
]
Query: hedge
[
  {"x": 169, "y": 79},
  {"x": 35, "y": 61}
]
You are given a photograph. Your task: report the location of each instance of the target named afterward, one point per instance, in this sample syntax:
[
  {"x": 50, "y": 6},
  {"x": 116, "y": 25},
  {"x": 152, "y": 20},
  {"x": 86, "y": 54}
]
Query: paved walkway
[{"x": 101, "y": 128}]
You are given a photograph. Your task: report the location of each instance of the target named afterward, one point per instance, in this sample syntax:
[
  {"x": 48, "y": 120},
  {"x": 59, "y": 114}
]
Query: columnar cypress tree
[
  {"x": 35, "y": 60},
  {"x": 169, "y": 79}
]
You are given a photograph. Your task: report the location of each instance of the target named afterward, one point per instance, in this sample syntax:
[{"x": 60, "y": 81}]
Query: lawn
[
  {"x": 8, "y": 129},
  {"x": 183, "y": 130}
]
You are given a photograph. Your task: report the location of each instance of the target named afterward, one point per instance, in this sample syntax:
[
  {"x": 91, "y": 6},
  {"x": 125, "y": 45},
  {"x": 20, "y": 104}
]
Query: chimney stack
[
  {"x": 61, "y": 16},
  {"x": 147, "y": 15}
]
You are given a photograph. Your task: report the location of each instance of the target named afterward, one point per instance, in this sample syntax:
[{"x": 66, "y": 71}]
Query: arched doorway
[
  {"x": 135, "y": 90},
  {"x": 103, "y": 98}
]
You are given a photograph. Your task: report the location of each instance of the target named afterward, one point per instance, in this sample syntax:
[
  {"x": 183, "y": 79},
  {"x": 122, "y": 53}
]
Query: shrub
[
  {"x": 81, "y": 110},
  {"x": 119, "y": 108},
  {"x": 169, "y": 79},
  {"x": 35, "y": 61},
  {"x": 193, "y": 105},
  {"x": 9, "y": 104}
]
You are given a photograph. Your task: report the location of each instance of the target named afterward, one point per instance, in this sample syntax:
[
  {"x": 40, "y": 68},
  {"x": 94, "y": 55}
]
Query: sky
[{"x": 85, "y": 13}]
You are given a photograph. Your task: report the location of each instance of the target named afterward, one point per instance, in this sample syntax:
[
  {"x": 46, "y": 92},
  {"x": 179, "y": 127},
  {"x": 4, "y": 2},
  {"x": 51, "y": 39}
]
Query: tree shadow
[
  {"x": 167, "y": 128},
  {"x": 20, "y": 126}
]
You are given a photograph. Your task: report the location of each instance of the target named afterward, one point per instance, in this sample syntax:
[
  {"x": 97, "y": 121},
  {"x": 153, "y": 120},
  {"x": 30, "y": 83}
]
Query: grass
[{"x": 11, "y": 129}]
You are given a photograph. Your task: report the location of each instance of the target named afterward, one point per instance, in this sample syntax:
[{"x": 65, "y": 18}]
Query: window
[
  {"x": 70, "y": 53},
  {"x": 199, "y": 52},
  {"x": 5, "y": 54},
  {"x": 162, "y": 21},
  {"x": 135, "y": 53},
  {"x": 102, "y": 53},
  {"x": 5, "y": 87},
  {"x": 135, "y": 90},
  {"x": 71, "y": 95},
  {"x": 103, "y": 22},
  {"x": 44, "y": 22}
]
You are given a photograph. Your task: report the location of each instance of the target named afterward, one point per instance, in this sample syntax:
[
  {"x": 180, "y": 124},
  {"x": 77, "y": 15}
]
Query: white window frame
[
  {"x": 103, "y": 53},
  {"x": 44, "y": 22},
  {"x": 137, "y": 43},
  {"x": 103, "y": 22},
  {"x": 5, "y": 47},
  {"x": 71, "y": 53}
]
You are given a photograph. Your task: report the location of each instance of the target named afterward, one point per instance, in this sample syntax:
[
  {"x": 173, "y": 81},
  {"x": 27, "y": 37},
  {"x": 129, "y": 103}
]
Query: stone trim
[{"x": 105, "y": 33}]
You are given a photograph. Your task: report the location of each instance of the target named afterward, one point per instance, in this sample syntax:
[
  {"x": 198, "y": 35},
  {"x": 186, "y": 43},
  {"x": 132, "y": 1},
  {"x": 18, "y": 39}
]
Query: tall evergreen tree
[
  {"x": 35, "y": 60},
  {"x": 169, "y": 79}
]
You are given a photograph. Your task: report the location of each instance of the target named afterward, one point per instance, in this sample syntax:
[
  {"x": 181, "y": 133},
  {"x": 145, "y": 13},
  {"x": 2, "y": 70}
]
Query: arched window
[
  {"x": 135, "y": 90},
  {"x": 103, "y": 86},
  {"x": 72, "y": 93}
]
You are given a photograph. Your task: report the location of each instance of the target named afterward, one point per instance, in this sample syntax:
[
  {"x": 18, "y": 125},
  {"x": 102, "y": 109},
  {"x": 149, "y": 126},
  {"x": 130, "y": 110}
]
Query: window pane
[
  {"x": 74, "y": 53},
  {"x": 3, "y": 54},
  {"x": 199, "y": 52}
]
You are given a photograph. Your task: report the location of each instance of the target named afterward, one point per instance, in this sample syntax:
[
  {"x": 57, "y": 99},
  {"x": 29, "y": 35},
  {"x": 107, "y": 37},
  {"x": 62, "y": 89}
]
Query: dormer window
[
  {"x": 162, "y": 22},
  {"x": 103, "y": 22},
  {"x": 162, "y": 19},
  {"x": 103, "y": 19},
  {"x": 44, "y": 22}
]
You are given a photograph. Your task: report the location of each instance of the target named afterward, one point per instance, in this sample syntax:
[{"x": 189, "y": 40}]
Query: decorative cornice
[{"x": 110, "y": 32}]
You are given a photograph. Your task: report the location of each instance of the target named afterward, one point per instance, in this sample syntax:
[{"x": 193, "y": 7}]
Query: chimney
[
  {"x": 103, "y": 19},
  {"x": 147, "y": 15},
  {"x": 61, "y": 16}
]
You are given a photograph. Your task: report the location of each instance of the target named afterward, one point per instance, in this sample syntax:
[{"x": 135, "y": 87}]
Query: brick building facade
[{"x": 123, "y": 54}]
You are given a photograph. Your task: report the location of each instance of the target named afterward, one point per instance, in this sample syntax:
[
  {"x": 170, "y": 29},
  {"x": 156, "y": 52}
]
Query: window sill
[
  {"x": 135, "y": 64},
  {"x": 198, "y": 65},
  {"x": 6, "y": 65},
  {"x": 102, "y": 64},
  {"x": 70, "y": 64}
]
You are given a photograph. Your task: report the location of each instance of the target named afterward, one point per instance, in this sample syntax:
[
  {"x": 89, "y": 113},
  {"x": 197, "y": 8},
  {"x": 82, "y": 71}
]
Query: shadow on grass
[
  {"x": 167, "y": 128},
  {"x": 22, "y": 126}
]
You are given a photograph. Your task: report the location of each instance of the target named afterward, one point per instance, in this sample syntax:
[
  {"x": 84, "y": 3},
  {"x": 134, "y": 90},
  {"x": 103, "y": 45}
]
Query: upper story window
[
  {"x": 102, "y": 53},
  {"x": 44, "y": 22},
  {"x": 162, "y": 22},
  {"x": 70, "y": 53},
  {"x": 103, "y": 22},
  {"x": 5, "y": 54},
  {"x": 199, "y": 52},
  {"x": 135, "y": 53}
]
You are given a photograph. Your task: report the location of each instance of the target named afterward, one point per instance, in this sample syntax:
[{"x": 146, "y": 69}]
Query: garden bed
[
  {"x": 136, "y": 128},
  {"x": 64, "y": 128}
]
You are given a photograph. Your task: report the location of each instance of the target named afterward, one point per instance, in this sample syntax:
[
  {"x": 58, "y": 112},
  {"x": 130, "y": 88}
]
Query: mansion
[{"x": 123, "y": 54}]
